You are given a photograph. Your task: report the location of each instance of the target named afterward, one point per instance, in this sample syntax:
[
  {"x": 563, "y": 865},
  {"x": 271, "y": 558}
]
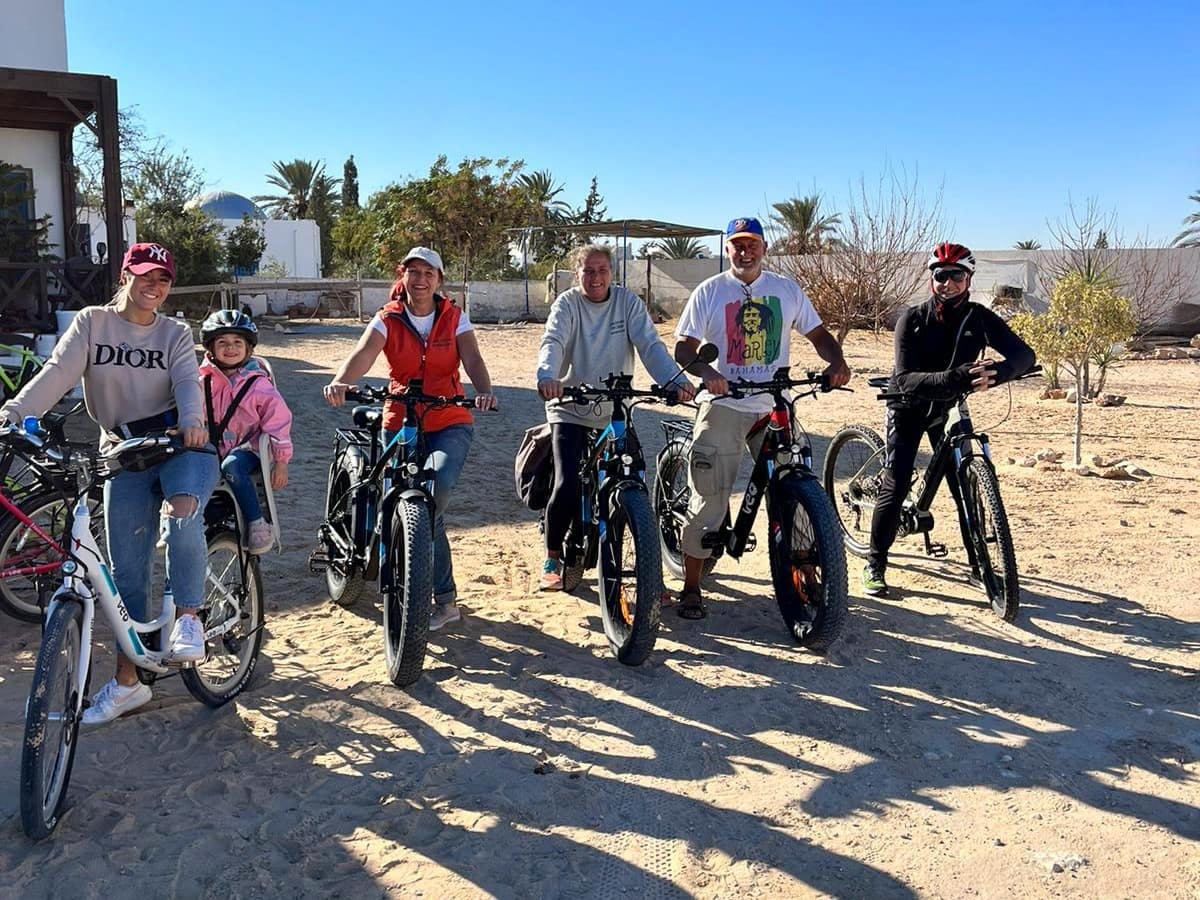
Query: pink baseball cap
[{"x": 143, "y": 258}]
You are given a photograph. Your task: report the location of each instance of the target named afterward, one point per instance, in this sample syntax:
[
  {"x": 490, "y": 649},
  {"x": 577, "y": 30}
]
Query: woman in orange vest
[{"x": 424, "y": 335}]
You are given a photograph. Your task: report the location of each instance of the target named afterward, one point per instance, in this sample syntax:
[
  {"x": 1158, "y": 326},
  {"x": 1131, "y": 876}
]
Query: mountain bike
[
  {"x": 614, "y": 526},
  {"x": 19, "y": 363},
  {"x": 379, "y": 513},
  {"x": 852, "y": 475},
  {"x": 231, "y": 613},
  {"x": 808, "y": 567}
]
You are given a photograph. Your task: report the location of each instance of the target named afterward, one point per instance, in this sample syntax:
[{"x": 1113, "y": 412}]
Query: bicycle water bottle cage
[{"x": 367, "y": 416}]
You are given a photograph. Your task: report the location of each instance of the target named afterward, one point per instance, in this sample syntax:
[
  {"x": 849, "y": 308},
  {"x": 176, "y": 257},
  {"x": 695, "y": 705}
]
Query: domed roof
[{"x": 226, "y": 205}]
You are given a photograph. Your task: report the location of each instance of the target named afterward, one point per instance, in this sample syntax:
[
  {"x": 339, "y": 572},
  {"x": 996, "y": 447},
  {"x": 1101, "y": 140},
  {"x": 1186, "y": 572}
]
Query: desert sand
[{"x": 935, "y": 751}]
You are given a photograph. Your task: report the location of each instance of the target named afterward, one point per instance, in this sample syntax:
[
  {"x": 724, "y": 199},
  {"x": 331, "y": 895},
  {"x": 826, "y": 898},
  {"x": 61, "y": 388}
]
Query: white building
[{"x": 295, "y": 243}]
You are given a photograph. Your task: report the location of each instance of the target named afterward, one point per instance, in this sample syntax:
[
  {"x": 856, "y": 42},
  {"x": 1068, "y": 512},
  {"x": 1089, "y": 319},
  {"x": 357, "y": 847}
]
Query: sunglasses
[{"x": 941, "y": 276}]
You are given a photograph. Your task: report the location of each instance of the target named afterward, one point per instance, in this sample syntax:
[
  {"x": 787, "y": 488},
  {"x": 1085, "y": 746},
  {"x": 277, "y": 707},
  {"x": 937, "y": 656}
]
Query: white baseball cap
[{"x": 425, "y": 255}]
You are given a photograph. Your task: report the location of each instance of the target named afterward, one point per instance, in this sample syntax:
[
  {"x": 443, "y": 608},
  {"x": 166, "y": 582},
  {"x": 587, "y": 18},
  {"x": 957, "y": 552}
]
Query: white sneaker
[
  {"x": 114, "y": 700},
  {"x": 444, "y": 614},
  {"x": 260, "y": 538},
  {"x": 187, "y": 640}
]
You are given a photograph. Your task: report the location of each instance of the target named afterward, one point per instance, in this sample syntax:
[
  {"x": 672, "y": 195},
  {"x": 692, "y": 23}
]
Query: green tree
[
  {"x": 356, "y": 244},
  {"x": 593, "y": 209},
  {"x": 244, "y": 247},
  {"x": 21, "y": 239},
  {"x": 324, "y": 210},
  {"x": 542, "y": 195},
  {"x": 804, "y": 230},
  {"x": 1027, "y": 245},
  {"x": 678, "y": 248},
  {"x": 350, "y": 184},
  {"x": 165, "y": 182},
  {"x": 304, "y": 183},
  {"x": 1190, "y": 236},
  {"x": 462, "y": 212},
  {"x": 1086, "y": 318}
]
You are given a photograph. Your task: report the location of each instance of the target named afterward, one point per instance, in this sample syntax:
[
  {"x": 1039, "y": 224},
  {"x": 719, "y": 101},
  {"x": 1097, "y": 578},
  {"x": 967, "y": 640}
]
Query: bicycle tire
[
  {"x": 230, "y": 594},
  {"x": 671, "y": 496},
  {"x": 987, "y": 523},
  {"x": 630, "y": 558},
  {"x": 851, "y": 475},
  {"x": 343, "y": 578},
  {"x": 409, "y": 601},
  {"x": 54, "y": 708},
  {"x": 19, "y": 545},
  {"x": 808, "y": 566}
]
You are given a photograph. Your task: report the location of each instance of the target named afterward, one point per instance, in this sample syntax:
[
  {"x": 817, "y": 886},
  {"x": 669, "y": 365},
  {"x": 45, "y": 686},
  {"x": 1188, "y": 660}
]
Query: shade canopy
[{"x": 629, "y": 228}]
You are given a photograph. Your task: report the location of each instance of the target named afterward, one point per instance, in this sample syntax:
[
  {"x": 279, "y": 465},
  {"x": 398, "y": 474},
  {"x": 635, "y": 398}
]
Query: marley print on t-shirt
[{"x": 754, "y": 328}]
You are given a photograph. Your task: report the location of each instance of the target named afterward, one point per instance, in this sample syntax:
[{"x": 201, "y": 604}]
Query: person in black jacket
[{"x": 939, "y": 355}]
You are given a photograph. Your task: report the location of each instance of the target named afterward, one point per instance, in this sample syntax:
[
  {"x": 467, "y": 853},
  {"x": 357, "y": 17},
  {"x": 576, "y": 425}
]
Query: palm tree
[
  {"x": 541, "y": 190},
  {"x": 806, "y": 230},
  {"x": 679, "y": 248},
  {"x": 1190, "y": 236},
  {"x": 1027, "y": 245},
  {"x": 304, "y": 184}
]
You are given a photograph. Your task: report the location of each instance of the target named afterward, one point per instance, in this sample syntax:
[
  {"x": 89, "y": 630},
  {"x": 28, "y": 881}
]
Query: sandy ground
[{"x": 935, "y": 751}]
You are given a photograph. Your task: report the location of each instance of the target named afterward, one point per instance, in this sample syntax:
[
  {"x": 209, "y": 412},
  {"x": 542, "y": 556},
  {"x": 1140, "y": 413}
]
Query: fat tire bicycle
[
  {"x": 808, "y": 567},
  {"x": 852, "y": 474},
  {"x": 231, "y": 614},
  {"x": 379, "y": 512},
  {"x": 614, "y": 529}
]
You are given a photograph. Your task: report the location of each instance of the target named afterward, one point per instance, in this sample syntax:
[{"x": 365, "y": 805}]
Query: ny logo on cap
[
  {"x": 157, "y": 252},
  {"x": 740, "y": 225}
]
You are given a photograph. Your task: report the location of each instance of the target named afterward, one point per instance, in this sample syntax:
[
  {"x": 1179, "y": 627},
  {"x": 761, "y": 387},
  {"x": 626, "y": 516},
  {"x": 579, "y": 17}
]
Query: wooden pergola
[{"x": 59, "y": 102}]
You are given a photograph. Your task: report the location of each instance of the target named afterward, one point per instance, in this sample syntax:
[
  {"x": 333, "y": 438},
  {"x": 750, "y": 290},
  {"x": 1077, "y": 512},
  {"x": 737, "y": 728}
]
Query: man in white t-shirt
[{"x": 748, "y": 314}]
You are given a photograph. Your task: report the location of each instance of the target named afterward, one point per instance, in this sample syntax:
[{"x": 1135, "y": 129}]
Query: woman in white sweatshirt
[{"x": 591, "y": 333}]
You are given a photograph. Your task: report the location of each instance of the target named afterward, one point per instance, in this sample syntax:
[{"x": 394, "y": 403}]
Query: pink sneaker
[{"x": 260, "y": 538}]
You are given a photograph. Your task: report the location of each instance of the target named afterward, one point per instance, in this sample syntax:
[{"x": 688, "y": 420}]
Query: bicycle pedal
[
  {"x": 751, "y": 542},
  {"x": 318, "y": 561},
  {"x": 937, "y": 551}
]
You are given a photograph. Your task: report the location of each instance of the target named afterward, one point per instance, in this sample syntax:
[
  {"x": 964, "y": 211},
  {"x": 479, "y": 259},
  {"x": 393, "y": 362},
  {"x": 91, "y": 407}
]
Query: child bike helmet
[
  {"x": 949, "y": 254},
  {"x": 228, "y": 321}
]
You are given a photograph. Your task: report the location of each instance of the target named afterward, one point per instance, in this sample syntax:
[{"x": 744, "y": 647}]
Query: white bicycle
[{"x": 232, "y": 614}]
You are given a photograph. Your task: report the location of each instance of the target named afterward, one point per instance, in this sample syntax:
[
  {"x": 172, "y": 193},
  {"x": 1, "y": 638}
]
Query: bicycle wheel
[
  {"x": 851, "y": 474},
  {"x": 52, "y": 716},
  {"x": 21, "y": 547},
  {"x": 409, "y": 602},
  {"x": 343, "y": 578},
  {"x": 232, "y": 614},
  {"x": 671, "y": 496},
  {"x": 631, "y": 583},
  {"x": 992, "y": 545},
  {"x": 808, "y": 566}
]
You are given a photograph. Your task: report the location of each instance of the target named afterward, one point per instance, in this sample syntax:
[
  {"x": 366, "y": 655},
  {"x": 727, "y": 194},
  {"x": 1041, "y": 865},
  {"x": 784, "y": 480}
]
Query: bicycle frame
[
  {"x": 950, "y": 457},
  {"x": 7, "y": 569}
]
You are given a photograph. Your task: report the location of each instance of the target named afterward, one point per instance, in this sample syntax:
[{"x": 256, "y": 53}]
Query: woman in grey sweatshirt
[
  {"x": 139, "y": 367},
  {"x": 591, "y": 333}
]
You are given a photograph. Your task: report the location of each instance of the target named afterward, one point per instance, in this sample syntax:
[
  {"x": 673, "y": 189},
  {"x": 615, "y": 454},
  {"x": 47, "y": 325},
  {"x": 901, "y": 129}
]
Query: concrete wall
[
  {"x": 38, "y": 150},
  {"x": 505, "y": 301},
  {"x": 34, "y": 35}
]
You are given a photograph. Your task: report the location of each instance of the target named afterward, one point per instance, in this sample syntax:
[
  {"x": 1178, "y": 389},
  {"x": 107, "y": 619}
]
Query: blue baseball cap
[{"x": 745, "y": 227}]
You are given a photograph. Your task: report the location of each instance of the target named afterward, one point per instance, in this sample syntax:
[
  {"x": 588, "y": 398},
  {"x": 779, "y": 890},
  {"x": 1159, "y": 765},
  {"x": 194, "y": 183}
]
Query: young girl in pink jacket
[{"x": 231, "y": 375}]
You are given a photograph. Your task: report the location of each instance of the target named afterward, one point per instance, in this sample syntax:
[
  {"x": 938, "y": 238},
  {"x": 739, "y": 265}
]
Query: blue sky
[{"x": 693, "y": 112}]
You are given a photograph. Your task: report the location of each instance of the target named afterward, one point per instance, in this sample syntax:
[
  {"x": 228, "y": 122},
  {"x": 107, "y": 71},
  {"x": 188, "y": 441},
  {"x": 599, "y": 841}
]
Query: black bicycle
[
  {"x": 808, "y": 568},
  {"x": 615, "y": 525},
  {"x": 852, "y": 475},
  {"x": 379, "y": 513}
]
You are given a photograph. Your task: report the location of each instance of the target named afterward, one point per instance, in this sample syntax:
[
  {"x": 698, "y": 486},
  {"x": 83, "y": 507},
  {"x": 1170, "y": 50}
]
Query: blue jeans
[
  {"x": 239, "y": 468},
  {"x": 132, "y": 507},
  {"x": 448, "y": 450}
]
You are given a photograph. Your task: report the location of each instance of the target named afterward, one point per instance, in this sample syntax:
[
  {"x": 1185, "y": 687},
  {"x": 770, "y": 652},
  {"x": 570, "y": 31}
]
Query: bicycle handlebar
[
  {"x": 617, "y": 387},
  {"x": 781, "y": 382},
  {"x": 883, "y": 382},
  {"x": 368, "y": 394}
]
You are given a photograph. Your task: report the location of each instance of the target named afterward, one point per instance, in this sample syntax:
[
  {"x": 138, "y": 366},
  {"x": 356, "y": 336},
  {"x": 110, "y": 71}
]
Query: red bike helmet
[{"x": 949, "y": 254}]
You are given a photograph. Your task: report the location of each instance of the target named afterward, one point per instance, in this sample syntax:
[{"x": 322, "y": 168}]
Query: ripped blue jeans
[{"x": 132, "y": 506}]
